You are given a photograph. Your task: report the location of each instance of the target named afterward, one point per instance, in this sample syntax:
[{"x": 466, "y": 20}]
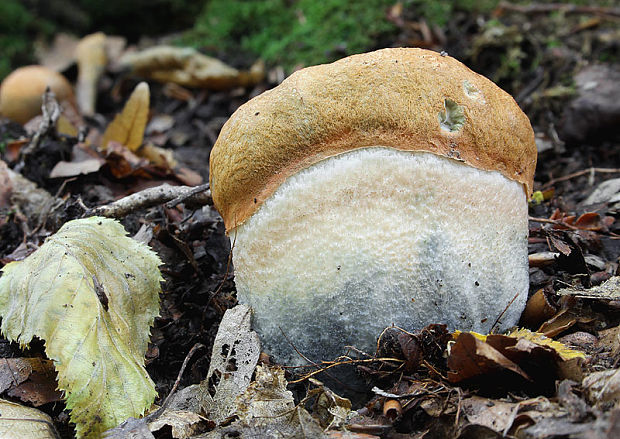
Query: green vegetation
[
  {"x": 292, "y": 32},
  {"x": 303, "y": 32},
  {"x": 441, "y": 11},
  {"x": 18, "y": 29}
]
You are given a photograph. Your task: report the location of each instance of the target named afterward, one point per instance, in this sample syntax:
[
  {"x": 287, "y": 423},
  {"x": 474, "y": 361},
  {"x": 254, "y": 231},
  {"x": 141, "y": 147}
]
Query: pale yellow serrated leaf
[
  {"x": 20, "y": 422},
  {"x": 127, "y": 128},
  {"x": 91, "y": 293}
]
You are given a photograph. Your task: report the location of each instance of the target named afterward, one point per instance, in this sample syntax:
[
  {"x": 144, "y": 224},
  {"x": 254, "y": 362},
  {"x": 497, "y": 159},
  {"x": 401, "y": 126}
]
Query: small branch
[
  {"x": 183, "y": 197},
  {"x": 166, "y": 403},
  {"x": 579, "y": 174},
  {"x": 155, "y": 196},
  {"x": 51, "y": 113}
]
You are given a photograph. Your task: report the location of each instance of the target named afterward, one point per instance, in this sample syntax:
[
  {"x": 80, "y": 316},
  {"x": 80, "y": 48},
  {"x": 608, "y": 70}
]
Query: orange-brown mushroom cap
[
  {"x": 407, "y": 99},
  {"x": 21, "y": 91}
]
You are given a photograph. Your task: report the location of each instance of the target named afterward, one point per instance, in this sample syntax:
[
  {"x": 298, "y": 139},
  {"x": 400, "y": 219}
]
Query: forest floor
[{"x": 562, "y": 68}]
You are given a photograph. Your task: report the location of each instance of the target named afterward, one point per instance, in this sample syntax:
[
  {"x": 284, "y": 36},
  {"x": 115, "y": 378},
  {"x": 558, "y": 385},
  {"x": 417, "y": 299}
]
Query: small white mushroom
[{"x": 386, "y": 188}]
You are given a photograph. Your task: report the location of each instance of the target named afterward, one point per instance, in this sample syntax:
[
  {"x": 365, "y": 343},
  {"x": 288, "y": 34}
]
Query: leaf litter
[{"x": 525, "y": 395}]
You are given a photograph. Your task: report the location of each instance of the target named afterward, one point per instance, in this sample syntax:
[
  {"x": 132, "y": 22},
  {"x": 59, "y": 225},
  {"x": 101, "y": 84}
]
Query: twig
[
  {"x": 340, "y": 363},
  {"x": 579, "y": 174},
  {"x": 313, "y": 363},
  {"x": 183, "y": 197},
  {"x": 571, "y": 227},
  {"x": 51, "y": 113},
  {"x": 228, "y": 264},
  {"x": 563, "y": 7},
  {"x": 152, "y": 197},
  {"x": 168, "y": 399},
  {"x": 503, "y": 312}
]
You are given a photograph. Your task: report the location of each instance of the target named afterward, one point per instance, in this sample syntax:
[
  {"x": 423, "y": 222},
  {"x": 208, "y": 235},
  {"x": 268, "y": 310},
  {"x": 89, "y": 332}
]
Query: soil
[{"x": 199, "y": 279}]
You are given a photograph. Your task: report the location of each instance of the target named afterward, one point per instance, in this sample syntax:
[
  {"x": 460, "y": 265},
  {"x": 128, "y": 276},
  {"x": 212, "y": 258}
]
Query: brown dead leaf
[
  {"x": 559, "y": 244},
  {"x": 530, "y": 355},
  {"x": 589, "y": 221},
  {"x": 571, "y": 312},
  {"x": 189, "y": 68},
  {"x": 157, "y": 156},
  {"x": 537, "y": 310},
  {"x": 32, "y": 380},
  {"x": 494, "y": 414},
  {"x": 127, "y": 128},
  {"x": 124, "y": 163},
  {"x": 603, "y": 387},
  {"x": 83, "y": 161},
  {"x": 471, "y": 357},
  {"x": 610, "y": 339}
]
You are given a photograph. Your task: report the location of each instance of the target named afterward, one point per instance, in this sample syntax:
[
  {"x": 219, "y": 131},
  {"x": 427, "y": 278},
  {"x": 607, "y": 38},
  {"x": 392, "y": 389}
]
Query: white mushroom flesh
[{"x": 376, "y": 237}]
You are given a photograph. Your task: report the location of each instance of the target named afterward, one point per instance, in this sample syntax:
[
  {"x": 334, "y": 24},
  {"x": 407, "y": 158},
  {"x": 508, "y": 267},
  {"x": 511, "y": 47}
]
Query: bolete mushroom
[
  {"x": 386, "y": 188},
  {"x": 21, "y": 91}
]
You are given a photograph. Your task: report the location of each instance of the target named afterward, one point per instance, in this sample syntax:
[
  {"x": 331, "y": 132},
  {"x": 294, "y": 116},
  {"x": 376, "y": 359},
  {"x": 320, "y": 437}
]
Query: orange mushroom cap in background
[{"x": 21, "y": 91}]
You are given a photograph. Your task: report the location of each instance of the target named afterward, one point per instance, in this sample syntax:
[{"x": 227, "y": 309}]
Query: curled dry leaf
[
  {"x": 608, "y": 290},
  {"x": 530, "y": 355},
  {"x": 603, "y": 387},
  {"x": 91, "y": 293},
  {"x": 537, "y": 310},
  {"x": 189, "y": 68},
  {"x": 184, "y": 424},
  {"x": 127, "y": 128},
  {"x": 471, "y": 357},
  {"x": 331, "y": 409},
  {"x": 235, "y": 353},
  {"x": 267, "y": 406},
  {"x": 32, "y": 380}
]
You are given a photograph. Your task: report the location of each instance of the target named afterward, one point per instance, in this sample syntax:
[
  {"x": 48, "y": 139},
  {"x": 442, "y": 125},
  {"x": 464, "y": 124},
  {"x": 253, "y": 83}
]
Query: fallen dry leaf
[
  {"x": 530, "y": 355},
  {"x": 608, "y": 290},
  {"x": 184, "y": 424},
  {"x": 603, "y": 387},
  {"x": 537, "y": 310},
  {"x": 189, "y": 68},
  {"x": 127, "y": 128},
  {"x": 471, "y": 357},
  {"x": 83, "y": 161},
  {"x": 32, "y": 380},
  {"x": 235, "y": 354},
  {"x": 20, "y": 422}
]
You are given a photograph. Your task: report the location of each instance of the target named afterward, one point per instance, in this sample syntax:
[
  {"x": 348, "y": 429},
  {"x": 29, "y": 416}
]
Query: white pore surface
[{"x": 376, "y": 237}]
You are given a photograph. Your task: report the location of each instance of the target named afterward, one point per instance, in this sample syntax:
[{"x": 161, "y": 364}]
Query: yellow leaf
[
  {"x": 18, "y": 421},
  {"x": 127, "y": 128},
  {"x": 535, "y": 337},
  {"x": 91, "y": 293},
  {"x": 540, "y": 339}
]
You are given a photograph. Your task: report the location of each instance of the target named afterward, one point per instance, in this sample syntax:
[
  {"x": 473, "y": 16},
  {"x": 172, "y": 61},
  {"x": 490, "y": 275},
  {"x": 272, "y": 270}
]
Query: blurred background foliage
[
  {"x": 285, "y": 32},
  {"x": 290, "y": 33}
]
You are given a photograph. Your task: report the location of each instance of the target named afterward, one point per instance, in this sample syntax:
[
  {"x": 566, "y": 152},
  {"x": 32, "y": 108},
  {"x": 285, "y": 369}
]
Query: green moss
[
  {"x": 16, "y": 23},
  {"x": 289, "y": 32},
  {"x": 441, "y": 11}
]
